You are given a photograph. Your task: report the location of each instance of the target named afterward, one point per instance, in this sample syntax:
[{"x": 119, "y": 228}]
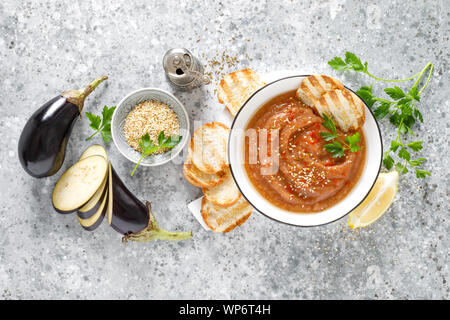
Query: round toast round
[
  {"x": 208, "y": 147},
  {"x": 220, "y": 219},
  {"x": 224, "y": 194},
  {"x": 200, "y": 179}
]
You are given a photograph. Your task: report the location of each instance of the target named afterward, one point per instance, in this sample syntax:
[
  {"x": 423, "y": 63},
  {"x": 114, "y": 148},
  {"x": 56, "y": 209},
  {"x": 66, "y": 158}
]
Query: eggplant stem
[
  {"x": 91, "y": 86},
  {"x": 153, "y": 231},
  {"x": 160, "y": 234},
  {"x": 77, "y": 97}
]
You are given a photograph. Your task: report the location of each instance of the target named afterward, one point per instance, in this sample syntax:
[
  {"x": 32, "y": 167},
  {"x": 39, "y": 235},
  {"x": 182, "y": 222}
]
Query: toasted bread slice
[
  {"x": 198, "y": 178},
  {"x": 224, "y": 194},
  {"x": 225, "y": 219},
  {"x": 313, "y": 87},
  {"x": 208, "y": 147},
  {"x": 236, "y": 87},
  {"x": 343, "y": 107}
]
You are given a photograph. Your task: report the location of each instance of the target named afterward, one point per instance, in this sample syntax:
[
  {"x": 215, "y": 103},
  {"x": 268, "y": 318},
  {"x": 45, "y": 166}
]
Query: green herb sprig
[
  {"x": 400, "y": 108},
  {"x": 337, "y": 147},
  {"x": 101, "y": 125},
  {"x": 148, "y": 147}
]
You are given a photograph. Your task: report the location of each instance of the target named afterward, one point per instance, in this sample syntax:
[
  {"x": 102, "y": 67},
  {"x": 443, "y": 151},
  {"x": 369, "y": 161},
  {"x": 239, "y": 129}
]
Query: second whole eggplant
[
  {"x": 43, "y": 141},
  {"x": 133, "y": 219}
]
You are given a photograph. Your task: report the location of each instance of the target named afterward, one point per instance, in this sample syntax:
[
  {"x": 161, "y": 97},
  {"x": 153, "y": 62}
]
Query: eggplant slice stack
[
  {"x": 92, "y": 188},
  {"x": 83, "y": 188},
  {"x": 78, "y": 184}
]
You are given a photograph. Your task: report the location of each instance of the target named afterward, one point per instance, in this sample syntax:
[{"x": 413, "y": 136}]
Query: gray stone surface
[{"x": 49, "y": 46}]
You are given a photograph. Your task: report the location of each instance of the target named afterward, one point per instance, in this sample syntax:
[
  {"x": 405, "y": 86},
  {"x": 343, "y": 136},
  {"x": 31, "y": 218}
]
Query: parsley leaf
[
  {"x": 338, "y": 64},
  {"x": 106, "y": 133},
  {"x": 422, "y": 173},
  {"x": 148, "y": 147},
  {"x": 95, "y": 120},
  {"x": 401, "y": 168},
  {"x": 415, "y": 146},
  {"x": 417, "y": 162},
  {"x": 382, "y": 111},
  {"x": 146, "y": 143},
  {"x": 329, "y": 124},
  {"x": 101, "y": 124},
  {"x": 161, "y": 138},
  {"x": 352, "y": 60},
  {"x": 414, "y": 93},
  {"x": 366, "y": 94},
  {"x": 353, "y": 141},
  {"x": 328, "y": 136},
  {"x": 404, "y": 154},
  {"x": 394, "y": 145},
  {"x": 395, "y": 93},
  {"x": 417, "y": 114},
  {"x": 388, "y": 161},
  {"x": 171, "y": 142},
  {"x": 337, "y": 147}
]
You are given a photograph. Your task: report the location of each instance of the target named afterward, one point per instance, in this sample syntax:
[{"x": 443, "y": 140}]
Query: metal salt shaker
[{"x": 183, "y": 69}]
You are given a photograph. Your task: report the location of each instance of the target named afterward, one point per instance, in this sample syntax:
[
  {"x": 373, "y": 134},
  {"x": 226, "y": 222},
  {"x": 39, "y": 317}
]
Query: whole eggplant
[
  {"x": 135, "y": 220},
  {"x": 43, "y": 141}
]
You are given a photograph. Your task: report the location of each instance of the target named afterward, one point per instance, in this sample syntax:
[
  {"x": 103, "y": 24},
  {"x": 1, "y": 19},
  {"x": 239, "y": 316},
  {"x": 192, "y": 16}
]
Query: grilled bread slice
[
  {"x": 343, "y": 107},
  {"x": 198, "y": 178},
  {"x": 313, "y": 87},
  {"x": 208, "y": 147},
  {"x": 220, "y": 219},
  {"x": 236, "y": 87},
  {"x": 224, "y": 194}
]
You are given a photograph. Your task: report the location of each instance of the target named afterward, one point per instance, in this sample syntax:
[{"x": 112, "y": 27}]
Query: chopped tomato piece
[
  {"x": 291, "y": 114},
  {"x": 313, "y": 137},
  {"x": 289, "y": 188}
]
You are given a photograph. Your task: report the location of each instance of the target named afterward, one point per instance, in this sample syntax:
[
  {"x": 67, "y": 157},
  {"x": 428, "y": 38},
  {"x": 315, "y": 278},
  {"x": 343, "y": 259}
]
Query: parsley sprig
[
  {"x": 148, "y": 147},
  {"x": 101, "y": 125},
  {"x": 352, "y": 62},
  {"x": 337, "y": 147},
  {"x": 401, "y": 109}
]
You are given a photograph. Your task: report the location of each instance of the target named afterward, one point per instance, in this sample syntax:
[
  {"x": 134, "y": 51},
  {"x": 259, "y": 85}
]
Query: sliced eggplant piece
[
  {"x": 91, "y": 207},
  {"x": 43, "y": 141},
  {"x": 133, "y": 219},
  {"x": 79, "y": 183},
  {"x": 94, "y": 150},
  {"x": 110, "y": 194},
  {"x": 93, "y": 222}
]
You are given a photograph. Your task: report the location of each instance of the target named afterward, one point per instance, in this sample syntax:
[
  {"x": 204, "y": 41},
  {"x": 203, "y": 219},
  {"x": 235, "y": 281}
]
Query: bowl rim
[
  {"x": 287, "y": 223},
  {"x": 184, "y": 140}
]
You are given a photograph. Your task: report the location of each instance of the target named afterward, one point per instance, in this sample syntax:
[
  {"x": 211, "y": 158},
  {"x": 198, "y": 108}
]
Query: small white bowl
[
  {"x": 236, "y": 149},
  {"x": 124, "y": 107}
]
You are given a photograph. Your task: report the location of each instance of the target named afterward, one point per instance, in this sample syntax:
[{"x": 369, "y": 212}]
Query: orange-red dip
[{"x": 308, "y": 178}]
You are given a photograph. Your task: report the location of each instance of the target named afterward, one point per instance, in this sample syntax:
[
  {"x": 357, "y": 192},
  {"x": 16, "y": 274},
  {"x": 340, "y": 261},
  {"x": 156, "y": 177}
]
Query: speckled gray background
[{"x": 49, "y": 46}]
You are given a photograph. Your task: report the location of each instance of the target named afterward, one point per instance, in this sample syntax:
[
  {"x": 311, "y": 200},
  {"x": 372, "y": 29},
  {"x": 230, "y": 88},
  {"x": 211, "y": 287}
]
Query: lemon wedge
[{"x": 377, "y": 202}]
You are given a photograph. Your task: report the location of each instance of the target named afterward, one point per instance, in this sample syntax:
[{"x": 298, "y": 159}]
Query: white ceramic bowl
[
  {"x": 124, "y": 107},
  {"x": 236, "y": 149}
]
